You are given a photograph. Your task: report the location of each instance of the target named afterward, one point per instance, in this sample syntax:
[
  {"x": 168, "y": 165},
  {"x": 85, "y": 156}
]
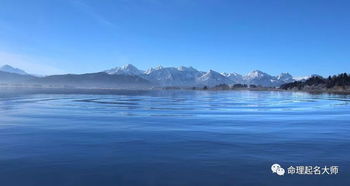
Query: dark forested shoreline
[
  {"x": 336, "y": 83},
  {"x": 316, "y": 84}
]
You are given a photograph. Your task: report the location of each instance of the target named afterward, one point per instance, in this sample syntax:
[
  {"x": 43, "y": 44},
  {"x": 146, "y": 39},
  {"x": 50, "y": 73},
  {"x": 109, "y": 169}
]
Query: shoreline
[{"x": 60, "y": 90}]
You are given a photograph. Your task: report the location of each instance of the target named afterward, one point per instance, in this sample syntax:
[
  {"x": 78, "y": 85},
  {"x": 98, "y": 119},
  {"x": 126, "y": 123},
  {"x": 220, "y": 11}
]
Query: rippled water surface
[{"x": 172, "y": 138}]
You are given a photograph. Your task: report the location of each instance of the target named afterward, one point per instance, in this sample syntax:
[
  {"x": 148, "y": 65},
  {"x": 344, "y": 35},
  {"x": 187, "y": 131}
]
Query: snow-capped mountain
[
  {"x": 257, "y": 77},
  {"x": 213, "y": 78},
  {"x": 285, "y": 77},
  {"x": 171, "y": 76},
  {"x": 125, "y": 70},
  {"x": 234, "y": 77},
  {"x": 10, "y": 69},
  {"x": 189, "y": 76}
]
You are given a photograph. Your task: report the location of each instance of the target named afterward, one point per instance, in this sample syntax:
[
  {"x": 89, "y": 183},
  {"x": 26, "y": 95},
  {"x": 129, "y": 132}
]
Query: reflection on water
[{"x": 171, "y": 137}]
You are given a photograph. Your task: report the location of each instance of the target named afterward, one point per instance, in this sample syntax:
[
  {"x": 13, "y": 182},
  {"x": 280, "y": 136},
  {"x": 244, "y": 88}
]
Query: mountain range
[
  {"x": 189, "y": 76},
  {"x": 128, "y": 76}
]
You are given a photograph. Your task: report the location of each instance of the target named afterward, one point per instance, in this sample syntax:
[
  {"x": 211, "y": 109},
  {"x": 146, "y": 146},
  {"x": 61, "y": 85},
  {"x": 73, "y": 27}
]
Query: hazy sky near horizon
[{"x": 302, "y": 37}]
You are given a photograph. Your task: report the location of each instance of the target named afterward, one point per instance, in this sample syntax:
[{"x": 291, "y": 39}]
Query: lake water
[{"x": 165, "y": 138}]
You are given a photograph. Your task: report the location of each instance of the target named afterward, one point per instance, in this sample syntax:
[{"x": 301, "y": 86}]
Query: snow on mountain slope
[
  {"x": 285, "y": 77},
  {"x": 189, "y": 76},
  {"x": 125, "y": 70},
  {"x": 257, "y": 74},
  {"x": 171, "y": 76},
  {"x": 257, "y": 77},
  {"x": 213, "y": 78},
  {"x": 234, "y": 77}
]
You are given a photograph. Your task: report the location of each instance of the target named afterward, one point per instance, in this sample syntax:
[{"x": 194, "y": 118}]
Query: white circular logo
[{"x": 276, "y": 168}]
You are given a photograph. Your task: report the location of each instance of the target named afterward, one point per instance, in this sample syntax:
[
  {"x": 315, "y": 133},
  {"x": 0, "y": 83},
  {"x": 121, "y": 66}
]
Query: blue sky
[{"x": 75, "y": 36}]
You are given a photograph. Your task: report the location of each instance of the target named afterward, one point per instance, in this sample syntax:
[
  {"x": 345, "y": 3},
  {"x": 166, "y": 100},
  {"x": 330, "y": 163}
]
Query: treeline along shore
[
  {"x": 337, "y": 83},
  {"x": 317, "y": 84}
]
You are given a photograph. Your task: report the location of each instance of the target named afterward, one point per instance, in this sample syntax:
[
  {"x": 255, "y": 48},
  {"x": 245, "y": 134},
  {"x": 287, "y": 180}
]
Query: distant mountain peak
[
  {"x": 183, "y": 68},
  {"x": 128, "y": 66},
  {"x": 257, "y": 71},
  {"x": 213, "y": 72},
  {"x": 131, "y": 68},
  {"x": 152, "y": 69},
  {"x": 285, "y": 74},
  {"x": 213, "y": 78},
  {"x": 257, "y": 74},
  {"x": 128, "y": 69},
  {"x": 10, "y": 69},
  {"x": 230, "y": 74}
]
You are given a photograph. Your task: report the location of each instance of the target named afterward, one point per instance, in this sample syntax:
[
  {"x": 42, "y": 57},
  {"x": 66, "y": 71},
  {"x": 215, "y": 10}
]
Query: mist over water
[{"x": 172, "y": 138}]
